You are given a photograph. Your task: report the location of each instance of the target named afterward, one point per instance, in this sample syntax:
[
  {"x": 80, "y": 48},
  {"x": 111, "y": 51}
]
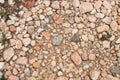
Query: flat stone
[
  {"x": 86, "y": 7},
  {"x": 11, "y": 77},
  {"x": 102, "y": 28},
  {"x": 98, "y": 4},
  {"x": 107, "y": 20},
  {"x": 1, "y": 65},
  {"x": 36, "y": 64},
  {"x": 22, "y": 60},
  {"x": 8, "y": 54},
  {"x": 114, "y": 70},
  {"x": 76, "y": 58},
  {"x": 57, "y": 40},
  {"x": 106, "y": 44},
  {"x": 61, "y": 78},
  {"x": 99, "y": 15},
  {"x": 95, "y": 74},
  {"x": 107, "y": 4},
  {"x": 110, "y": 77}
]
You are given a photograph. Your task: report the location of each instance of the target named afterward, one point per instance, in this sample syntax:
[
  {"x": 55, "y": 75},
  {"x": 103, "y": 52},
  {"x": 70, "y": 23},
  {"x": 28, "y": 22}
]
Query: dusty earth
[{"x": 60, "y": 40}]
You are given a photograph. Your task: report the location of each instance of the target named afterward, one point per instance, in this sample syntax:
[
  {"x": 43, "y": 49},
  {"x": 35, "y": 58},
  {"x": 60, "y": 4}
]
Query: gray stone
[
  {"x": 114, "y": 70},
  {"x": 75, "y": 38},
  {"x": 57, "y": 40}
]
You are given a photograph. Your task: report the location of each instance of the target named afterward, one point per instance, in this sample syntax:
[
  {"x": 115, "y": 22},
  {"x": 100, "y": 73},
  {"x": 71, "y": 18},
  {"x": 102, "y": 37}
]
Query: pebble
[
  {"x": 95, "y": 74},
  {"x": 66, "y": 24},
  {"x": 8, "y": 54},
  {"x": 110, "y": 77},
  {"x": 118, "y": 60},
  {"x": 11, "y": 77},
  {"x": 18, "y": 44},
  {"x": 55, "y": 5},
  {"x": 27, "y": 71},
  {"x": 114, "y": 69},
  {"x": 106, "y": 44},
  {"x": 57, "y": 18},
  {"x": 102, "y": 28},
  {"x": 76, "y": 3},
  {"x": 118, "y": 41},
  {"x": 22, "y": 60},
  {"x": 61, "y": 78},
  {"x": 75, "y": 38},
  {"x": 26, "y": 41},
  {"x": 99, "y": 15},
  {"x": 1, "y": 65},
  {"x": 76, "y": 58},
  {"x": 2, "y": 1},
  {"x": 86, "y": 7},
  {"x": 84, "y": 37},
  {"x": 98, "y": 4},
  {"x": 36, "y": 64},
  {"x": 92, "y": 56},
  {"x": 84, "y": 56},
  {"x": 57, "y": 40},
  {"x": 107, "y": 4},
  {"x": 59, "y": 73},
  {"x": 114, "y": 25},
  {"x": 118, "y": 20},
  {"x": 107, "y": 20}
]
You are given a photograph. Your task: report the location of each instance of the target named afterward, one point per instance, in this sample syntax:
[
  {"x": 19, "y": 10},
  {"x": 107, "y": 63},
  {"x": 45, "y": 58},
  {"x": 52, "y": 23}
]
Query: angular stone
[
  {"x": 98, "y": 4},
  {"x": 106, "y": 44},
  {"x": 8, "y": 54},
  {"x": 107, "y": 20},
  {"x": 26, "y": 41},
  {"x": 86, "y": 7},
  {"x": 57, "y": 40},
  {"x": 76, "y": 58},
  {"x": 57, "y": 18},
  {"x": 22, "y": 60},
  {"x": 75, "y": 38},
  {"x": 107, "y": 4},
  {"x": 95, "y": 74}
]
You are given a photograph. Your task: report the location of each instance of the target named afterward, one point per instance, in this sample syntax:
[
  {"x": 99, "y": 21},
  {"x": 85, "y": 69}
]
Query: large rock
[{"x": 8, "y": 54}]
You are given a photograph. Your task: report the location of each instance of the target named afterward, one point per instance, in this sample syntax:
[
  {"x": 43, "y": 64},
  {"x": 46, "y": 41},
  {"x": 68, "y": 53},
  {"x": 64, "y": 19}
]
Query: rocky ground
[{"x": 60, "y": 40}]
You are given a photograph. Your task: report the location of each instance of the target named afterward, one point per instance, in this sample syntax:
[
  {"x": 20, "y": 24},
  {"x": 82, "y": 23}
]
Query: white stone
[
  {"x": 2, "y": 1},
  {"x": 66, "y": 24},
  {"x": 60, "y": 73},
  {"x": 1, "y": 65},
  {"x": 8, "y": 54},
  {"x": 84, "y": 37},
  {"x": 95, "y": 74},
  {"x": 47, "y": 2}
]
